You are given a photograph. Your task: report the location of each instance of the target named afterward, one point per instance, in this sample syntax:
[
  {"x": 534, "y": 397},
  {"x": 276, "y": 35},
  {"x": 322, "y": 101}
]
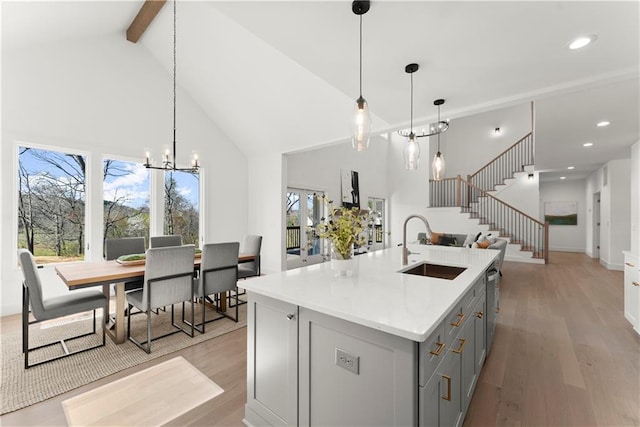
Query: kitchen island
[{"x": 379, "y": 348}]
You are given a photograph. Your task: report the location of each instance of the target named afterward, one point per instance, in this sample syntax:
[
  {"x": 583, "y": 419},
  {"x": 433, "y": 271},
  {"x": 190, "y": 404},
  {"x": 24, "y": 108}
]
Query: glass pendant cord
[
  {"x": 439, "y": 132},
  {"x": 167, "y": 164},
  {"x": 360, "y": 56},
  {"x": 411, "y": 109}
]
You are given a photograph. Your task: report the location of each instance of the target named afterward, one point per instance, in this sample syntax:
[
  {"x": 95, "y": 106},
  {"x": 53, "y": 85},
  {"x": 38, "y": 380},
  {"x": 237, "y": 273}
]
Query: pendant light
[
  {"x": 169, "y": 163},
  {"x": 437, "y": 167},
  {"x": 361, "y": 118},
  {"x": 411, "y": 148}
]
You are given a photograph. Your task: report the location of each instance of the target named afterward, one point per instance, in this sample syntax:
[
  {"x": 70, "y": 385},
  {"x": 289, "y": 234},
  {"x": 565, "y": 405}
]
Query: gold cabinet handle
[
  {"x": 438, "y": 350},
  {"x": 463, "y": 342},
  {"x": 448, "y": 378},
  {"x": 479, "y": 315},
  {"x": 635, "y": 283},
  {"x": 629, "y": 264},
  {"x": 460, "y": 319}
]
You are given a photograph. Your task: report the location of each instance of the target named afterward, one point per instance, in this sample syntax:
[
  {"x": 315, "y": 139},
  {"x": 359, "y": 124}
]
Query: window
[
  {"x": 125, "y": 200},
  {"x": 182, "y": 205},
  {"x": 51, "y": 204}
]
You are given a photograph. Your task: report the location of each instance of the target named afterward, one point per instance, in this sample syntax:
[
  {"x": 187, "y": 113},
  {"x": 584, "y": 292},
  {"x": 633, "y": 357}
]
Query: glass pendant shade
[
  {"x": 411, "y": 153},
  {"x": 437, "y": 167},
  {"x": 361, "y": 125}
]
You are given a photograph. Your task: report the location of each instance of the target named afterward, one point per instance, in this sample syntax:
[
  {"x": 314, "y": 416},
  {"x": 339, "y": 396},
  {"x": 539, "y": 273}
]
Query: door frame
[
  {"x": 595, "y": 249},
  {"x": 304, "y": 259}
]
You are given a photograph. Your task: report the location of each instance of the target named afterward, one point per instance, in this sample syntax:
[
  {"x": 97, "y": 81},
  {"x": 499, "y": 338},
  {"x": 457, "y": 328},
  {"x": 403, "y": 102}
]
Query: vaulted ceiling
[{"x": 283, "y": 76}]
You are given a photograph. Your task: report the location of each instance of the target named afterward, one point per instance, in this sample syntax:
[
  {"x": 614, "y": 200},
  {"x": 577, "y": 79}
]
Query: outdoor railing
[{"x": 293, "y": 237}]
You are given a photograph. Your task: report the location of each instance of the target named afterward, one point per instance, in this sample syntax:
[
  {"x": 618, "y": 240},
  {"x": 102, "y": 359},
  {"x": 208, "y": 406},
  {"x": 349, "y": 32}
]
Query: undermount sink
[{"x": 435, "y": 270}]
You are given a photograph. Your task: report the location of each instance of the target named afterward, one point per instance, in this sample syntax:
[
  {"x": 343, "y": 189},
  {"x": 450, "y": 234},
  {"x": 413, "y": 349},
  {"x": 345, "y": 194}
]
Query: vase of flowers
[{"x": 343, "y": 227}]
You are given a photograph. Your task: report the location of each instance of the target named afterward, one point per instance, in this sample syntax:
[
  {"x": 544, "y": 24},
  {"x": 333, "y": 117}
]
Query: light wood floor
[{"x": 563, "y": 355}]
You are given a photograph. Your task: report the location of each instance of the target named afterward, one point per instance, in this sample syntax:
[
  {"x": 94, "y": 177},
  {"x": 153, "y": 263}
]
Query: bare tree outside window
[
  {"x": 182, "y": 205},
  {"x": 125, "y": 200},
  {"x": 51, "y": 204}
]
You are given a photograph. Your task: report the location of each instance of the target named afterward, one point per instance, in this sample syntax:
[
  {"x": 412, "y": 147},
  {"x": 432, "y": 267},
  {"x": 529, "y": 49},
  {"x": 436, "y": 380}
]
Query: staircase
[{"x": 472, "y": 196}]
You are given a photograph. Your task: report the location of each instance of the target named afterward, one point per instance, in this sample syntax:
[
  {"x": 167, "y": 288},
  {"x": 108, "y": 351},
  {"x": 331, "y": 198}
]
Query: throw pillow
[
  {"x": 469, "y": 240},
  {"x": 435, "y": 238},
  {"x": 483, "y": 245}
]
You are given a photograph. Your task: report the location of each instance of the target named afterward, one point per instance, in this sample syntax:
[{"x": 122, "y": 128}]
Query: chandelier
[{"x": 169, "y": 158}]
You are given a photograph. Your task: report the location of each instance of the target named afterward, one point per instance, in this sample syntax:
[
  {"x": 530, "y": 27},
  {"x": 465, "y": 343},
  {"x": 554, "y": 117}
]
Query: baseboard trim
[
  {"x": 564, "y": 249},
  {"x": 609, "y": 266}
]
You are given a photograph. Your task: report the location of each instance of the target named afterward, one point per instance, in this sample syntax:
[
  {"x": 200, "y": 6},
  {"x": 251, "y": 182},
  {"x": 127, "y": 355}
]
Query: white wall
[
  {"x": 320, "y": 169},
  {"x": 567, "y": 238},
  {"x": 267, "y": 194},
  {"x": 108, "y": 96},
  {"x": 634, "y": 196},
  {"x": 615, "y": 211},
  {"x": 468, "y": 145},
  {"x": 408, "y": 190},
  {"x": 522, "y": 193}
]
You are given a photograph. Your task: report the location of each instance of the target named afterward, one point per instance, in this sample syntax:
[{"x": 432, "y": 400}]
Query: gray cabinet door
[
  {"x": 352, "y": 375},
  {"x": 493, "y": 296},
  {"x": 467, "y": 362},
  {"x": 272, "y": 368},
  {"x": 480, "y": 332},
  {"x": 429, "y": 397},
  {"x": 450, "y": 396}
]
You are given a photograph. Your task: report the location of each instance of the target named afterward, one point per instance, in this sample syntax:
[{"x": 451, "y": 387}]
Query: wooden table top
[{"x": 96, "y": 273}]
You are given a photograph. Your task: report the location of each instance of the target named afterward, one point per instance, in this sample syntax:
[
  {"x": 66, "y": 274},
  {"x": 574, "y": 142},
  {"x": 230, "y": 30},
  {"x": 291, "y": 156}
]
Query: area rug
[
  {"x": 20, "y": 388},
  {"x": 153, "y": 396}
]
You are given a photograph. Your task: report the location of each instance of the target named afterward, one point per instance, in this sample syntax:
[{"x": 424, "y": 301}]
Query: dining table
[{"x": 104, "y": 273}]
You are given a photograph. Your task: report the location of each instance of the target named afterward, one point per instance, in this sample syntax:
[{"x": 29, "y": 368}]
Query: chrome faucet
[{"x": 405, "y": 251}]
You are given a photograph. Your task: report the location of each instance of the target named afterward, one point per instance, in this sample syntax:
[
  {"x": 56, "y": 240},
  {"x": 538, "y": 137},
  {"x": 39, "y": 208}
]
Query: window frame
[{"x": 16, "y": 187}]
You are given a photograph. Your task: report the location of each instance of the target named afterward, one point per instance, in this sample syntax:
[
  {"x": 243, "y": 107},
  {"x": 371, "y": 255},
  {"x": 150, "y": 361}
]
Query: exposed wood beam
[{"x": 143, "y": 19}]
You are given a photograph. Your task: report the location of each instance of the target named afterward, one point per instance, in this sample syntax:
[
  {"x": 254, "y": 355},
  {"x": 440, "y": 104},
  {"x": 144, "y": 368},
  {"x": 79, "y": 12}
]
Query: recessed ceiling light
[
  {"x": 563, "y": 177},
  {"x": 603, "y": 124},
  {"x": 587, "y": 144},
  {"x": 571, "y": 167},
  {"x": 582, "y": 41}
]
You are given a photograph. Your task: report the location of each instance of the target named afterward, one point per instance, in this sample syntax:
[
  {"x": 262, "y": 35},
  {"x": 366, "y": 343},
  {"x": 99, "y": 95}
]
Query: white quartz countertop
[{"x": 378, "y": 295}]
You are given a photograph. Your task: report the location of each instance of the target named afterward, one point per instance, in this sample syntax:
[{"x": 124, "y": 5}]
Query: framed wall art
[
  {"x": 561, "y": 213},
  {"x": 350, "y": 189}
]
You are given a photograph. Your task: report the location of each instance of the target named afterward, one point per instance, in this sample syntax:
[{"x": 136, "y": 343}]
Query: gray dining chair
[
  {"x": 115, "y": 248},
  {"x": 218, "y": 274},
  {"x": 52, "y": 308},
  {"x": 251, "y": 246},
  {"x": 164, "y": 241},
  {"x": 168, "y": 280}
]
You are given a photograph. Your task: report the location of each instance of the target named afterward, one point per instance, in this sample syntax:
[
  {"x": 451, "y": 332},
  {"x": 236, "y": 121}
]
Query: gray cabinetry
[
  {"x": 450, "y": 395},
  {"x": 493, "y": 303},
  {"x": 353, "y": 375},
  {"x": 429, "y": 402},
  {"x": 632, "y": 290},
  {"x": 308, "y": 368},
  {"x": 272, "y": 371},
  {"x": 445, "y": 397},
  {"x": 480, "y": 334}
]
